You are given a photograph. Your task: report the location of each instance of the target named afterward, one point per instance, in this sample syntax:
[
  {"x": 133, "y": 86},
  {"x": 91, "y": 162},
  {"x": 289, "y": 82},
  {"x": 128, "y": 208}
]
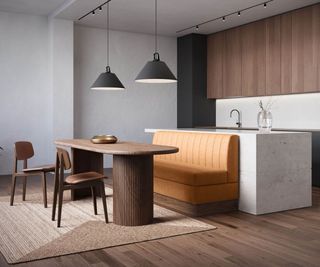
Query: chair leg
[
  {"x": 24, "y": 188},
  {"x": 44, "y": 189},
  {"x": 94, "y": 198},
  {"x": 13, "y": 188},
  {"x": 60, "y": 205},
  {"x": 104, "y": 201},
  {"x": 55, "y": 196}
]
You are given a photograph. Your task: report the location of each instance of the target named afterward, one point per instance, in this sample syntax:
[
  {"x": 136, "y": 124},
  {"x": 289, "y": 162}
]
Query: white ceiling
[
  {"x": 32, "y": 7},
  {"x": 173, "y": 15}
]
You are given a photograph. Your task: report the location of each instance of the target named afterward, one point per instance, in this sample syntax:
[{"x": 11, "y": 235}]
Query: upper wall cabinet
[
  {"x": 286, "y": 53},
  {"x": 253, "y": 42},
  {"x": 305, "y": 49},
  {"x": 273, "y": 54},
  {"x": 215, "y": 57},
  {"x": 277, "y": 55},
  {"x": 232, "y": 63}
]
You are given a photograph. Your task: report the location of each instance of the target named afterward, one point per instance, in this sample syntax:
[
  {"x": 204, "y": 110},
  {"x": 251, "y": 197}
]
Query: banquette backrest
[{"x": 208, "y": 150}]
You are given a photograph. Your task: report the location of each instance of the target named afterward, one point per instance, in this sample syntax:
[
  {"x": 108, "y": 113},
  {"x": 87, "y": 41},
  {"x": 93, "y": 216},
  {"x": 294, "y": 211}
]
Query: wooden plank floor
[{"x": 289, "y": 238}]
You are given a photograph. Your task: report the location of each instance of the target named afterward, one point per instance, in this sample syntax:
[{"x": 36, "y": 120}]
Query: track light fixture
[
  {"x": 93, "y": 11},
  {"x": 197, "y": 28},
  {"x": 224, "y": 17}
]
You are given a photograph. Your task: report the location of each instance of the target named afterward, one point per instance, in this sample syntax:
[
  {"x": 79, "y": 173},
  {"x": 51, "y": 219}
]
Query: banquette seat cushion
[
  {"x": 204, "y": 170},
  {"x": 189, "y": 174}
]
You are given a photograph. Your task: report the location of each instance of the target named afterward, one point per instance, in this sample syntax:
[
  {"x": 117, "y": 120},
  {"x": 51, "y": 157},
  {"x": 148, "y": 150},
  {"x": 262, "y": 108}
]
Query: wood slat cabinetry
[
  {"x": 215, "y": 58},
  {"x": 232, "y": 63},
  {"x": 286, "y": 53},
  {"x": 305, "y": 49},
  {"x": 277, "y": 55},
  {"x": 253, "y": 54},
  {"x": 273, "y": 54}
]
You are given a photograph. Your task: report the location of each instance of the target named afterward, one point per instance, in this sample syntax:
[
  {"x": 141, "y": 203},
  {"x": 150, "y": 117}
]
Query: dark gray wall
[
  {"x": 194, "y": 109},
  {"x": 316, "y": 159}
]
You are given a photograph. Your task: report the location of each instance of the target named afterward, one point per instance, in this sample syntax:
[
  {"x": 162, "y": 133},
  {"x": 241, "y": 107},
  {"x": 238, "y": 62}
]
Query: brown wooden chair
[
  {"x": 91, "y": 180},
  {"x": 23, "y": 151}
]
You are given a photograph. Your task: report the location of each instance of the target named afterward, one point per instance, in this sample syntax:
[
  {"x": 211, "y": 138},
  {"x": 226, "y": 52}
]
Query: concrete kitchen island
[{"x": 275, "y": 169}]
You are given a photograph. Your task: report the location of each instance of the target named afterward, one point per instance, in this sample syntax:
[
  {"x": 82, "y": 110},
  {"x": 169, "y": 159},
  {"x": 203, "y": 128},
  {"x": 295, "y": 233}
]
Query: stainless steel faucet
[{"x": 239, "y": 117}]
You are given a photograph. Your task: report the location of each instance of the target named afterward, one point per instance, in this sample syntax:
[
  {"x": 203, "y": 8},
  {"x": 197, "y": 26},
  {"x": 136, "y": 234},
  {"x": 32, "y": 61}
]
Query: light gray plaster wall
[
  {"x": 62, "y": 78},
  {"x": 25, "y": 97},
  {"x": 36, "y": 85},
  {"x": 122, "y": 113}
]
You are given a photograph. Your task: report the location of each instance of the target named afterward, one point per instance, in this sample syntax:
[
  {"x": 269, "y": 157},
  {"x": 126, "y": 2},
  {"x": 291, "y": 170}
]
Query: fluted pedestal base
[{"x": 132, "y": 190}]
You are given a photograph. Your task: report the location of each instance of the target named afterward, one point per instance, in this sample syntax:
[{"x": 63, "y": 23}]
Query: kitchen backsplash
[{"x": 300, "y": 111}]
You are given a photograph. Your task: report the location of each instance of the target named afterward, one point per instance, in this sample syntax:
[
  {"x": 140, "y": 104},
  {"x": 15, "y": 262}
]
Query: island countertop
[
  {"x": 274, "y": 170},
  {"x": 224, "y": 131}
]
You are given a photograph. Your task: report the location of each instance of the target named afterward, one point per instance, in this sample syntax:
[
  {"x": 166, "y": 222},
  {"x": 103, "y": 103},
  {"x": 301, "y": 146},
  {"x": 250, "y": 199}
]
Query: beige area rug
[{"x": 27, "y": 232}]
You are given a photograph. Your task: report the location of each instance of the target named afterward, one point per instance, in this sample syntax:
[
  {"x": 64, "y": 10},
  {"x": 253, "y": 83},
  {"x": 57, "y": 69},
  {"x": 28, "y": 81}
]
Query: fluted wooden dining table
[{"x": 132, "y": 175}]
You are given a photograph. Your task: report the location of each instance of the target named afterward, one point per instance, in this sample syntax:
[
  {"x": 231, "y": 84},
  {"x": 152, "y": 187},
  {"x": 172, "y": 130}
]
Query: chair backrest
[
  {"x": 62, "y": 163},
  {"x": 23, "y": 150},
  {"x": 64, "y": 159},
  {"x": 216, "y": 151}
]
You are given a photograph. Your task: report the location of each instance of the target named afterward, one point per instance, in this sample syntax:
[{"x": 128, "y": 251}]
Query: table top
[{"x": 119, "y": 148}]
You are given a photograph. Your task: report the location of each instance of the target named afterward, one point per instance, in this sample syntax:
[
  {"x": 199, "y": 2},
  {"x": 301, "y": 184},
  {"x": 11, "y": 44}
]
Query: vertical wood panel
[
  {"x": 215, "y": 56},
  {"x": 305, "y": 50},
  {"x": 286, "y": 53},
  {"x": 278, "y": 55},
  {"x": 316, "y": 33},
  {"x": 273, "y": 54},
  {"x": 253, "y": 41},
  {"x": 232, "y": 63}
]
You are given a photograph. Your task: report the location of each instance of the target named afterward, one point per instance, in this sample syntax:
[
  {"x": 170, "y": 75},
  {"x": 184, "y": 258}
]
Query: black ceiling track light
[
  {"x": 156, "y": 71},
  {"x": 99, "y": 8},
  {"x": 223, "y": 18}
]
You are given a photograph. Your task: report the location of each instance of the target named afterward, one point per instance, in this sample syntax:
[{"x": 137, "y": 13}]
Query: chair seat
[
  {"x": 84, "y": 177},
  {"x": 42, "y": 168}
]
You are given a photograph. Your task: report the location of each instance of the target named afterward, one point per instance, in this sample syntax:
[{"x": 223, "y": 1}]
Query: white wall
[
  {"x": 289, "y": 111},
  {"x": 122, "y": 113},
  {"x": 33, "y": 84},
  {"x": 25, "y": 107},
  {"x": 61, "y": 35}
]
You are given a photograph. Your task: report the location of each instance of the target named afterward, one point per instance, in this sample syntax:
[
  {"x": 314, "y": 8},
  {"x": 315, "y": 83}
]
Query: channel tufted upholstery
[{"x": 204, "y": 170}]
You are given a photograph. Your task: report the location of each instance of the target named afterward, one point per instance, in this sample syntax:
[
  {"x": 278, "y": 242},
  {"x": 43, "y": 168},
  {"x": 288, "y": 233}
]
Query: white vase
[{"x": 264, "y": 121}]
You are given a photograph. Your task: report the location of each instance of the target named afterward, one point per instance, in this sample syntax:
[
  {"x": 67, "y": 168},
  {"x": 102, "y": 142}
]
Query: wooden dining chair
[
  {"x": 22, "y": 152},
  {"x": 91, "y": 180}
]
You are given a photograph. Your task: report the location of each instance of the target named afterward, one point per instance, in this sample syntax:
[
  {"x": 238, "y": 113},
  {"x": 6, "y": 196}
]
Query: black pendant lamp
[
  {"x": 107, "y": 80},
  {"x": 156, "y": 71}
]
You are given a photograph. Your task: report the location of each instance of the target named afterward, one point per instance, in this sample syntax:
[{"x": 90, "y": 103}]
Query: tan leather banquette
[{"x": 205, "y": 169}]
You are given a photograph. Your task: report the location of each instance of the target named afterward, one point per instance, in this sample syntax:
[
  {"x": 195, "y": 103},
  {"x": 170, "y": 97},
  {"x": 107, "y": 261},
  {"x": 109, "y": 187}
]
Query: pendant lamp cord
[
  {"x": 108, "y": 36},
  {"x": 156, "y": 27}
]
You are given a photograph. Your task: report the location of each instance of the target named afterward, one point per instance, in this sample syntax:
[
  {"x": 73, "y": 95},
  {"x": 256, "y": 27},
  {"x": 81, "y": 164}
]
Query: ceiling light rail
[
  {"x": 223, "y": 18},
  {"x": 93, "y": 11}
]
